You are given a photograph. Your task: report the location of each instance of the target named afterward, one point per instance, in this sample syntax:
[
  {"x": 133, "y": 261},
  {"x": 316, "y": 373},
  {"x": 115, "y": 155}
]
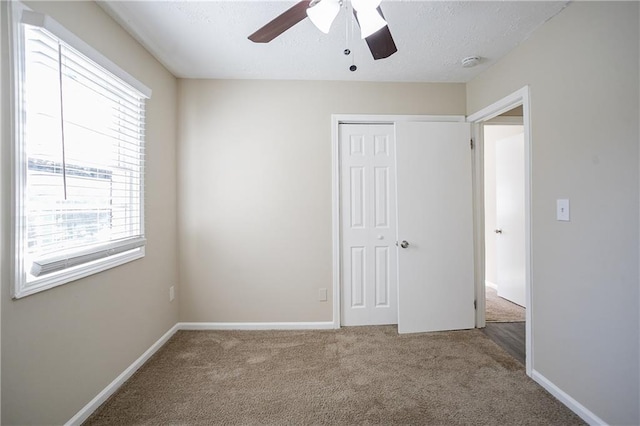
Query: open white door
[
  {"x": 435, "y": 223},
  {"x": 510, "y": 242}
]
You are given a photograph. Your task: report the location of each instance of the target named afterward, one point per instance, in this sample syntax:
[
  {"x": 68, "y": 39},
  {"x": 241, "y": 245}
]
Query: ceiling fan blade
[
  {"x": 281, "y": 23},
  {"x": 381, "y": 42}
]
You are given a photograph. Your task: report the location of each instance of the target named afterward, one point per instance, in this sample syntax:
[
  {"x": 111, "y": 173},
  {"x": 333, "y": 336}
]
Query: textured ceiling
[{"x": 195, "y": 39}]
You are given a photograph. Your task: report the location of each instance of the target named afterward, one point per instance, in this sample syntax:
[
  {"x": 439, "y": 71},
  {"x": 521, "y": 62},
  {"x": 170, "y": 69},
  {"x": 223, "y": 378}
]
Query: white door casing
[
  {"x": 517, "y": 98},
  {"x": 435, "y": 216},
  {"x": 510, "y": 219},
  {"x": 368, "y": 224}
]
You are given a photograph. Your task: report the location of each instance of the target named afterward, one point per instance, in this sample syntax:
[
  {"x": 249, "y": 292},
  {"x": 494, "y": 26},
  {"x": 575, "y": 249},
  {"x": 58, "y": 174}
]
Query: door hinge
[
  {"x": 475, "y": 305},
  {"x": 471, "y": 143}
]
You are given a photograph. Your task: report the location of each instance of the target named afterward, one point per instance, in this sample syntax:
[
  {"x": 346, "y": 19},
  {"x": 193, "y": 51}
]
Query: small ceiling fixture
[{"x": 470, "y": 61}]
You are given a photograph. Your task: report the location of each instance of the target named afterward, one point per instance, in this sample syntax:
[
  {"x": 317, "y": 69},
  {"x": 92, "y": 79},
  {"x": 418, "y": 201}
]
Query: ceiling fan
[{"x": 367, "y": 13}]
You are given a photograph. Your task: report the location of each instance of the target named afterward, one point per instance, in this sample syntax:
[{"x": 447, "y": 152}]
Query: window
[{"x": 79, "y": 157}]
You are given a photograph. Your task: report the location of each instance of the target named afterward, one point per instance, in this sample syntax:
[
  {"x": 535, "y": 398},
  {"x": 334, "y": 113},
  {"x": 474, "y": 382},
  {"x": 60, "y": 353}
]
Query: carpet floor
[
  {"x": 501, "y": 310},
  {"x": 354, "y": 375}
]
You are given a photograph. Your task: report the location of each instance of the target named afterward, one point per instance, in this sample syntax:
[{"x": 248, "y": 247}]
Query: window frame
[{"x": 21, "y": 286}]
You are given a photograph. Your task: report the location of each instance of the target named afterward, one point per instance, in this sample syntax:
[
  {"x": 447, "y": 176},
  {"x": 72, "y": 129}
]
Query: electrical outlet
[
  {"x": 322, "y": 295},
  {"x": 172, "y": 293}
]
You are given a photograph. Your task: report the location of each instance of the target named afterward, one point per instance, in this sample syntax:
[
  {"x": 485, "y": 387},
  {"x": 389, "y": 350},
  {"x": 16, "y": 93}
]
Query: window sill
[{"x": 24, "y": 288}]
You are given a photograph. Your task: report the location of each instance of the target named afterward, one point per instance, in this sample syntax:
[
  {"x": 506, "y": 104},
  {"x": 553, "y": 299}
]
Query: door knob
[
  {"x": 404, "y": 244},
  {"x": 498, "y": 231}
]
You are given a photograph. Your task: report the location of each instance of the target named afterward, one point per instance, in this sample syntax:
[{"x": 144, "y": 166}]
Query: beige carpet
[
  {"x": 501, "y": 310},
  {"x": 356, "y": 375}
]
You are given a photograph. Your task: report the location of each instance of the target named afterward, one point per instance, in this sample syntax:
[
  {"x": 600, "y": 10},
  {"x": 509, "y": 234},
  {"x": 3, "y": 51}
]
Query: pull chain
[{"x": 349, "y": 36}]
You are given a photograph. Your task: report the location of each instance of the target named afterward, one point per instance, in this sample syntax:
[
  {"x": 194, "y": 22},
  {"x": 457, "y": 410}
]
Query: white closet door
[{"x": 368, "y": 199}]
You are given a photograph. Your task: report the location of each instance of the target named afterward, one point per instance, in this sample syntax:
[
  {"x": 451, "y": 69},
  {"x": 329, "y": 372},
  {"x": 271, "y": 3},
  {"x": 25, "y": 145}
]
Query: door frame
[
  {"x": 517, "y": 98},
  {"x": 336, "y": 121}
]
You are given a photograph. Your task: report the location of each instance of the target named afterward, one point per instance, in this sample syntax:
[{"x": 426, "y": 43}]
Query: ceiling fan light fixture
[
  {"x": 370, "y": 22},
  {"x": 323, "y": 13},
  {"x": 369, "y": 17},
  {"x": 362, "y": 5}
]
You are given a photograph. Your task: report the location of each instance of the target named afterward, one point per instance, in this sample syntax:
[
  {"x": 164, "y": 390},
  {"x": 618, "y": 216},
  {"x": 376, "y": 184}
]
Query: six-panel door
[{"x": 368, "y": 224}]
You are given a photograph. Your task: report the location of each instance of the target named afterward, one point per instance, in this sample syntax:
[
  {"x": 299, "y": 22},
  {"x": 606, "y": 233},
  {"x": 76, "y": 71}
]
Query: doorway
[
  {"x": 504, "y": 212},
  {"x": 495, "y": 112},
  {"x": 504, "y": 194}
]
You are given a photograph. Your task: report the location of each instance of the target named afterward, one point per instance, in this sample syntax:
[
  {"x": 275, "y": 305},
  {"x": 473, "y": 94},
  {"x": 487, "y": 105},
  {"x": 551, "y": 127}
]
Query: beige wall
[
  {"x": 583, "y": 72},
  {"x": 255, "y": 190},
  {"x": 254, "y": 186},
  {"x": 61, "y": 347}
]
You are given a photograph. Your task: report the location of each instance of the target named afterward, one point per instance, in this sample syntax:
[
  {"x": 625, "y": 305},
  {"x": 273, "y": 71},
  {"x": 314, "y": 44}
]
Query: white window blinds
[{"x": 81, "y": 160}]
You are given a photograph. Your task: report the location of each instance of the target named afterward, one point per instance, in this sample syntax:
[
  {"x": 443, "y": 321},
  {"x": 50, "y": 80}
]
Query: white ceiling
[{"x": 208, "y": 39}]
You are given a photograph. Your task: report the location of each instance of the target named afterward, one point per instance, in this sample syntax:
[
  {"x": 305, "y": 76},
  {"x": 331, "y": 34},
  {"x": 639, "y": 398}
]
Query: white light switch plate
[
  {"x": 562, "y": 210},
  {"x": 322, "y": 295}
]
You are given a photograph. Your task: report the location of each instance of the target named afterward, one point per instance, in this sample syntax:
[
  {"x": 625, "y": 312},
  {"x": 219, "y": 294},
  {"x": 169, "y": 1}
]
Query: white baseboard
[
  {"x": 93, "y": 405},
  {"x": 567, "y": 400},
  {"x": 256, "y": 325},
  {"x": 491, "y": 285}
]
